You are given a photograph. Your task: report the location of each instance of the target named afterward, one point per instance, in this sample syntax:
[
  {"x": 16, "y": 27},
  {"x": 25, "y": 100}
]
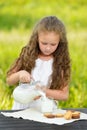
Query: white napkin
[{"x": 35, "y": 115}]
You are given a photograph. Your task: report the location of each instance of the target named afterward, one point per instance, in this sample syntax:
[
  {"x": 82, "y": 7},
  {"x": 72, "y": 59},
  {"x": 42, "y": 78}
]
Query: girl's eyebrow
[{"x": 48, "y": 43}]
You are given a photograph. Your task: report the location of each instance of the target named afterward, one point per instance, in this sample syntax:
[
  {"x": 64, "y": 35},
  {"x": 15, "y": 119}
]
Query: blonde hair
[{"x": 61, "y": 64}]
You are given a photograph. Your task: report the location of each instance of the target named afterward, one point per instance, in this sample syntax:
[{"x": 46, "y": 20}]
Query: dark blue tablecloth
[{"x": 9, "y": 123}]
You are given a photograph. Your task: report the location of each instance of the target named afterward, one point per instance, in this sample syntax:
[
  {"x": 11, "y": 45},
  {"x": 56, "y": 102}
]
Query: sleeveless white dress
[{"x": 41, "y": 72}]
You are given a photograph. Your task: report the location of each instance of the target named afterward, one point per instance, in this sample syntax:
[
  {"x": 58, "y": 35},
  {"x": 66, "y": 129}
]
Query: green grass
[
  {"x": 17, "y": 19},
  {"x": 23, "y": 14}
]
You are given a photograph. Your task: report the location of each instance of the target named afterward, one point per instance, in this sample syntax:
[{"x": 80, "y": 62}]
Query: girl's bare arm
[
  {"x": 20, "y": 76},
  {"x": 58, "y": 94}
]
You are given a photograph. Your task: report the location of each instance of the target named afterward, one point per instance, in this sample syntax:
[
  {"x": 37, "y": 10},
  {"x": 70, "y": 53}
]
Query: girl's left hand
[
  {"x": 37, "y": 97},
  {"x": 42, "y": 88}
]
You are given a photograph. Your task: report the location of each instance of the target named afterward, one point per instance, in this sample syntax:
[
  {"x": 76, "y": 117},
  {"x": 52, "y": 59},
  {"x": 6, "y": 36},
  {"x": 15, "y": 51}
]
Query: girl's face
[{"x": 48, "y": 42}]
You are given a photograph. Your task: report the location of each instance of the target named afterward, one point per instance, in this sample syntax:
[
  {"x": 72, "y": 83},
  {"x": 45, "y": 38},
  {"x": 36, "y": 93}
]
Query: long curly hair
[{"x": 29, "y": 53}]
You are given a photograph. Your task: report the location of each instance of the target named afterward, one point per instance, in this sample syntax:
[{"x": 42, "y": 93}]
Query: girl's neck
[{"x": 45, "y": 57}]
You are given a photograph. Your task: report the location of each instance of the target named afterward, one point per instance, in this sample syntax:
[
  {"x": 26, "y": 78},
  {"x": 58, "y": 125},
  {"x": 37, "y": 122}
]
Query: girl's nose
[{"x": 48, "y": 48}]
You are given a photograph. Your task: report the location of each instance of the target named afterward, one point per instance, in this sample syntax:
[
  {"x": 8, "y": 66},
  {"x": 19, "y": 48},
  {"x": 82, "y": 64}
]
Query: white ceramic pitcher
[{"x": 26, "y": 92}]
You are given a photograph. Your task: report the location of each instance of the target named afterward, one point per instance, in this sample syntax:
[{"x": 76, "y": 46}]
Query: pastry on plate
[
  {"x": 59, "y": 115},
  {"x": 49, "y": 115},
  {"x": 68, "y": 115},
  {"x": 76, "y": 115}
]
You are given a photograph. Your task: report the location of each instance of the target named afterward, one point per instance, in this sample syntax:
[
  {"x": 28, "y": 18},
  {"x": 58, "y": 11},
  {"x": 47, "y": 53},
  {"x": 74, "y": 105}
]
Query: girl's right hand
[{"x": 24, "y": 76}]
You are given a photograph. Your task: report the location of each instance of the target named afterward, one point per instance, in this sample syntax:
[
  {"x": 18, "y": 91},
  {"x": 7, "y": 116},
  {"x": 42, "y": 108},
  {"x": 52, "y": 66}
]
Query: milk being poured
[{"x": 47, "y": 104}]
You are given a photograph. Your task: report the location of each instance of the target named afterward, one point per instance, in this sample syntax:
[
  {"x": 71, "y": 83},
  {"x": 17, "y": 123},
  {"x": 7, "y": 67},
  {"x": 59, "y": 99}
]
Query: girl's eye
[
  {"x": 44, "y": 43},
  {"x": 53, "y": 44}
]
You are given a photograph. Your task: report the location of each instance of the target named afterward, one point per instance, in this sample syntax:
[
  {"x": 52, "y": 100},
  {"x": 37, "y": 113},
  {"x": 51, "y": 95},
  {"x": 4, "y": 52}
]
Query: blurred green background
[{"x": 17, "y": 19}]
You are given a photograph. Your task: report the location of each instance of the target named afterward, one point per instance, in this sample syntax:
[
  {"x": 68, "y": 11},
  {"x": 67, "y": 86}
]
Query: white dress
[{"x": 41, "y": 72}]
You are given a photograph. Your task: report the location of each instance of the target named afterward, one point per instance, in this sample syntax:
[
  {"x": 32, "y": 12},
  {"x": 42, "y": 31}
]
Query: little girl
[{"x": 45, "y": 58}]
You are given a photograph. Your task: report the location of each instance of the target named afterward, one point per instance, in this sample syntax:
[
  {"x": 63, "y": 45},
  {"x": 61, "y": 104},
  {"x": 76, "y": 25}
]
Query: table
[{"x": 9, "y": 123}]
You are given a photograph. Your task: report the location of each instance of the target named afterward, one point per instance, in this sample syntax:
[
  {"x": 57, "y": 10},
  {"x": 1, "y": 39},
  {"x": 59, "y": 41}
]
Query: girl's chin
[{"x": 46, "y": 54}]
